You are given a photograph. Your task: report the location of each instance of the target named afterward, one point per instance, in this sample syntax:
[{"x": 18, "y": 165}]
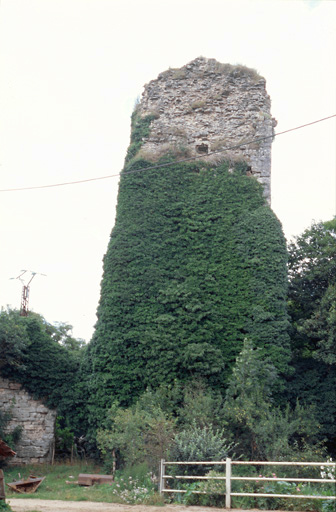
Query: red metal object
[
  {"x": 25, "y": 290},
  {"x": 5, "y": 450}
]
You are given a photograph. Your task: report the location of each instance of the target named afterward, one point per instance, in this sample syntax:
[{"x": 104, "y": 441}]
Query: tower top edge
[{"x": 202, "y": 65}]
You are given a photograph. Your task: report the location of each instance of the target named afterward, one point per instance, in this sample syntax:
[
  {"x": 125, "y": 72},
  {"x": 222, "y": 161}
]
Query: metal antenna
[{"x": 25, "y": 290}]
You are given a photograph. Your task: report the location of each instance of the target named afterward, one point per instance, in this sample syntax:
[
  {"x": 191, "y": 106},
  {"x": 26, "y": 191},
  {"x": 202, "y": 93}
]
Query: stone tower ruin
[{"x": 204, "y": 108}]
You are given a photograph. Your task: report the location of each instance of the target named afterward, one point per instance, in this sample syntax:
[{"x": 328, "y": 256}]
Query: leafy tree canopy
[
  {"x": 312, "y": 307},
  {"x": 261, "y": 429},
  {"x": 34, "y": 353},
  {"x": 312, "y": 271}
]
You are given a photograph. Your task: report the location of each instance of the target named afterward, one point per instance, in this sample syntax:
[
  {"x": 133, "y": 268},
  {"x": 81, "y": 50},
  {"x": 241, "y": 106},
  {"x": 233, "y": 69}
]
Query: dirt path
[
  {"x": 21, "y": 505},
  {"x": 28, "y": 505}
]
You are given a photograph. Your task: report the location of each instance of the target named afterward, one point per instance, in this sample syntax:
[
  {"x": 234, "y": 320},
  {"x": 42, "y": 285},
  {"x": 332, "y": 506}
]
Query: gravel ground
[{"x": 21, "y": 505}]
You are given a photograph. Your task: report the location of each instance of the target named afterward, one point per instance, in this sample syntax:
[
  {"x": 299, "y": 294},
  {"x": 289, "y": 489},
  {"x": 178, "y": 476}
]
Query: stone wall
[
  {"x": 38, "y": 422},
  {"x": 207, "y": 106}
]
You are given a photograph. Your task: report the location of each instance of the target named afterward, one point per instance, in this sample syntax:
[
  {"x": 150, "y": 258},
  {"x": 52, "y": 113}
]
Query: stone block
[{"x": 37, "y": 420}]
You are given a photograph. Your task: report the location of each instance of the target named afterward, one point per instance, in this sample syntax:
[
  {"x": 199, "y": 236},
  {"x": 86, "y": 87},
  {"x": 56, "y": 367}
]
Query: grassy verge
[{"x": 127, "y": 488}]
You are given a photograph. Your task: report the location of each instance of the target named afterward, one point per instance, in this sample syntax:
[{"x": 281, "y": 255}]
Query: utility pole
[{"x": 24, "y": 310}]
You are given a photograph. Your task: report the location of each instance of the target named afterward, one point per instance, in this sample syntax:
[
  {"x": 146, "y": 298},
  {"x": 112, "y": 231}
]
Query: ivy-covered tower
[{"x": 197, "y": 260}]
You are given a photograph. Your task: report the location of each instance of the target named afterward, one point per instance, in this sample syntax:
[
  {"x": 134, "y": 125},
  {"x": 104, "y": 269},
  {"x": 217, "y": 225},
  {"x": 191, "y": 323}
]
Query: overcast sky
[{"x": 71, "y": 72}]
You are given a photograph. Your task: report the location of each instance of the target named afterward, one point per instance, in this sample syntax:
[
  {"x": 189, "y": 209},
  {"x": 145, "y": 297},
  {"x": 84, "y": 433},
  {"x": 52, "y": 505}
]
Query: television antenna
[{"x": 26, "y": 289}]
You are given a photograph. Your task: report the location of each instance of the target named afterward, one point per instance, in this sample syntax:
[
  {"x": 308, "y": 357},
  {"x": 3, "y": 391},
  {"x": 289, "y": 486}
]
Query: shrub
[
  {"x": 4, "y": 507},
  {"x": 134, "y": 485},
  {"x": 135, "y": 436},
  {"x": 200, "y": 444},
  {"x": 261, "y": 430}
]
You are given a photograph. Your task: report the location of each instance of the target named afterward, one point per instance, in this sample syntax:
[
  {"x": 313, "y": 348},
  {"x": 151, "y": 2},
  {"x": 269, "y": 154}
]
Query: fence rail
[{"x": 228, "y": 478}]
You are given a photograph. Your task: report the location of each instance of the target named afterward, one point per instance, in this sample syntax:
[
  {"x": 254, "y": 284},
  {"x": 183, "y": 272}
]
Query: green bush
[
  {"x": 200, "y": 444},
  {"x": 134, "y": 436},
  {"x": 262, "y": 430},
  {"x": 4, "y": 507},
  {"x": 64, "y": 438},
  {"x": 215, "y": 490}
]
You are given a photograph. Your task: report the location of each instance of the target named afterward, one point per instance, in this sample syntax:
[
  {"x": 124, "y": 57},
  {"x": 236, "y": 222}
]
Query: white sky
[{"x": 71, "y": 72}]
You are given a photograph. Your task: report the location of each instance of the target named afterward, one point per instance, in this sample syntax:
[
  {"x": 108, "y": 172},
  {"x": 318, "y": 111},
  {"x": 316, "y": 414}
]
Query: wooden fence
[
  {"x": 2, "y": 486},
  {"x": 228, "y": 478}
]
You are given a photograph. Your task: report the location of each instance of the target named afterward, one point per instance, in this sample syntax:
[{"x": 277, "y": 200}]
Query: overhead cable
[{"x": 167, "y": 164}]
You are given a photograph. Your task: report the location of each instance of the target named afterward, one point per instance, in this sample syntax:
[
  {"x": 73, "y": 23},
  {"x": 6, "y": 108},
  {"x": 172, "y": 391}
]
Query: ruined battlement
[{"x": 205, "y": 107}]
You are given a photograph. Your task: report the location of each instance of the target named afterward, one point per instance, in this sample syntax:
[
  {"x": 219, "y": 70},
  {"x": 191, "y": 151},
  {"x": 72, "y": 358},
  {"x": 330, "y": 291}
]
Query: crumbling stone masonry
[
  {"x": 207, "y": 106},
  {"x": 38, "y": 423}
]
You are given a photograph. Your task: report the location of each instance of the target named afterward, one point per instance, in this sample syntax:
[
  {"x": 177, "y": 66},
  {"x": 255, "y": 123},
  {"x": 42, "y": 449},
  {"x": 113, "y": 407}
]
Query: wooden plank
[
  {"x": 2, "y": 486},
  {"x": 91, "y": 479},
  {"x": 28, "y": 485},
  {"x": 303, "y": 496}
]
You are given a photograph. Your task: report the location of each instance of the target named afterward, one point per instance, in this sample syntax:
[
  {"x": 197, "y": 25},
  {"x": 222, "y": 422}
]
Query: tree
[
  {"x": 312, "y": 293},
  {"x": 13, "y": 339},
  {"x": 312, "y": 307},
  {"x": 47, "y": 370},
  {"x": 61, "y": 332},
  {"x": 136, "y": 435},
  {"x": 261, "y": 429}
]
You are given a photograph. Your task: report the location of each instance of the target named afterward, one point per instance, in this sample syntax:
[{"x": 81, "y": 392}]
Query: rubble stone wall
[
  {"x": 207, "y": 106},
  {"x": 38, "y": 423}
]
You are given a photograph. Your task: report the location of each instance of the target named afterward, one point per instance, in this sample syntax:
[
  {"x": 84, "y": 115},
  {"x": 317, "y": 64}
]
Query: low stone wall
[{"x": 38, "y": 423}]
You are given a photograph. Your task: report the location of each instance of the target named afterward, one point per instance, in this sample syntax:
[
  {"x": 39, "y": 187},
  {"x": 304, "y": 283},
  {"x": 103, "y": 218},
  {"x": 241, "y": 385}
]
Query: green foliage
[
  {"x": 196, "y": 262},
  {"x": 64, "y": 438},
  {"x": 201, "y": 405},
  {"x": 61, "y": 332},
  {"x": 312, "y": 271},
  {"x": 135, "y": 484},
  {"x": 135, "y": 435},
  {"x": 12, "y": 339},
  {"x": 36, "y": 359},
  {"x": 214, "y": 491},
  {"x": 262, "y": 430},
  {"x": 200, "y": 444},
  {"x": 4, "y": 507},
  {"x": 10, "y": 436},
  {"x": 140, "y": 130},
  {"x": 312, "y": 307}
]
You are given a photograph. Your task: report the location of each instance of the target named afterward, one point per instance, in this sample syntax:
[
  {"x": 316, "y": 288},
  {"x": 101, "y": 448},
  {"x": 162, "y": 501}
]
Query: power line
[{"x": 168, "y": 163}]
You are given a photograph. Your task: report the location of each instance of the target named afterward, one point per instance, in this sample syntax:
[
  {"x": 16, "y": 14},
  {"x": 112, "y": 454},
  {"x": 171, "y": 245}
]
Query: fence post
[
  {"x": 161, "y": 482},
  {"x": 228, "y": 483},
  {"x": 2, "y": 486}
]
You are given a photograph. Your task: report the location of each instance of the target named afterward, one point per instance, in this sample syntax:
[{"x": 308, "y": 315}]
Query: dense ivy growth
[
  {"x": 140, "y": 129},
  {"x": 196, "y": 262},
  {"x": 46, "y": 369}
]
